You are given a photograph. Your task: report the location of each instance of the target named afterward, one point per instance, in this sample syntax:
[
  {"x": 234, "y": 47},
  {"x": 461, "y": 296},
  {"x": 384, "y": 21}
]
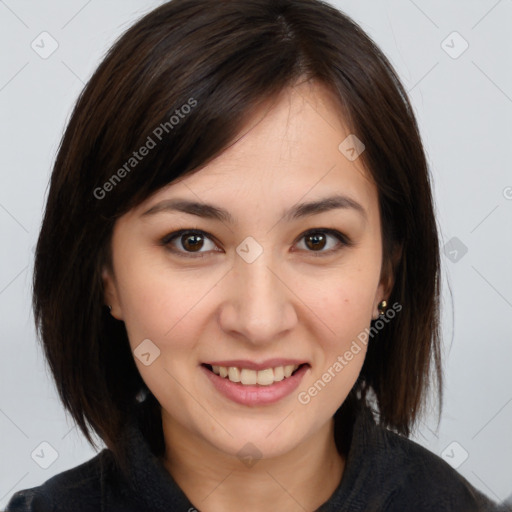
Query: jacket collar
[{"x": 154, "y": 488}]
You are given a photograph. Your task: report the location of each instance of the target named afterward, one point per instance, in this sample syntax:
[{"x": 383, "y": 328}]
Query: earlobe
[
  {"x": 380, "y": 305},
  {"x": 382, "y": 294},
  {"x": 110, "y": 293},
  {"x": 386, "y": 283}
]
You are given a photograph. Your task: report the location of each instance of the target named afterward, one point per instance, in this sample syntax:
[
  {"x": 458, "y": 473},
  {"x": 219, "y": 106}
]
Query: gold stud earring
[{"x": 382, "y": 307}]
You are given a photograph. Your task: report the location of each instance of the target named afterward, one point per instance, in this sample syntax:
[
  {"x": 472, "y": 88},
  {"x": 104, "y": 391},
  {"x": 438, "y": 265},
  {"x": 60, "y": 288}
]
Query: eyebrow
[{"x": 298, "y": 211}]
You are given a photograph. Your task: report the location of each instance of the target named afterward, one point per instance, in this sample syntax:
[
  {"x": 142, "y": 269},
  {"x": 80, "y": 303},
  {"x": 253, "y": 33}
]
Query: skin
[{"x": 296, "y": 300}]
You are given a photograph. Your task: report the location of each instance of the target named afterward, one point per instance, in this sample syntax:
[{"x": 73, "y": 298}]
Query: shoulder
[
  {"x": 78, "y": 489},
  {"x": 421, "y": 478},
  {"x": 389, "y": 472}
]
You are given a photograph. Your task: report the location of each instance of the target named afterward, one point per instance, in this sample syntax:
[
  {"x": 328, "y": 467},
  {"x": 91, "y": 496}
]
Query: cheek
[
  {"x": 163, "y": 306},
  {"x": 142, "y": 306},
  {"x": 162, "y": 309},
  {"x": 145, "y": 295},
  {"x": 344, "y": 300}
]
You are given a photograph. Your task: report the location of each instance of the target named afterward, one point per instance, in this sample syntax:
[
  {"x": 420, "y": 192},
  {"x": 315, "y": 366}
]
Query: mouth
[
  {"x": 251, "y": 377},
  {"x": 263, "y": 384}
]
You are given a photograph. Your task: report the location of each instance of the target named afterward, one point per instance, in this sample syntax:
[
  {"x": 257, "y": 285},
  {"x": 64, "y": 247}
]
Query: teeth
[
  {"x": 266, "y": 377},
  {"x": 278, "y": 373},
  {"x": 288, "y": 370},
  {"x": 234, "y": 374},
  {"x": 247, "y": 377}
]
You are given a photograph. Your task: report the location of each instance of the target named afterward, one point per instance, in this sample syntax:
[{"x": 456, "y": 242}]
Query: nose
[{"x": 260, "y": 304}]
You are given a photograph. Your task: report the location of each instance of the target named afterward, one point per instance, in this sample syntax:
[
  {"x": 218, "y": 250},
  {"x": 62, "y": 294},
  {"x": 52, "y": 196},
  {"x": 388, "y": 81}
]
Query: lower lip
[{"x": 256, "y": 395}]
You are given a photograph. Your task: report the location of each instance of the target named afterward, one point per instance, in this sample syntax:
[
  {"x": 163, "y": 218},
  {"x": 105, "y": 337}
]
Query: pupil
[
  {"x": 315, "y": 241},
  {"x": 196, "y": 243},
  {"x": 316, "y": 238}
]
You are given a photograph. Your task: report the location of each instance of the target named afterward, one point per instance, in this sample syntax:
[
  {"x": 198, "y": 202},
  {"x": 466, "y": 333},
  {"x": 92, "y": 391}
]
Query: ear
[
  {"x": 110, "y": 294},
  {"x": 387, "y": 280}
]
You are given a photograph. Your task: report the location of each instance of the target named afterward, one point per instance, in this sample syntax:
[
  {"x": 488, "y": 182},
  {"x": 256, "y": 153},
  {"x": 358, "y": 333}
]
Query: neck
[{"x": 302, "y": 479}]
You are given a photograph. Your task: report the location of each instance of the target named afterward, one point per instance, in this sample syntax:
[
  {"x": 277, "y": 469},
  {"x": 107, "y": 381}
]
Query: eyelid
[
  {"x": 343, "y": 239},
  {"x": 167, "y": 239}
]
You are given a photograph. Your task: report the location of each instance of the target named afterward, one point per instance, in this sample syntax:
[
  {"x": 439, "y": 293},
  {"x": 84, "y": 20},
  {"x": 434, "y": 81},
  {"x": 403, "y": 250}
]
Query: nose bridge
[{"x": 261, "y": 308}]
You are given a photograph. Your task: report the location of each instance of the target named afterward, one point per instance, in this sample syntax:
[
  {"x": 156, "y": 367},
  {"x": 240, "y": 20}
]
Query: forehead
[{"x": 288, "y": 150}]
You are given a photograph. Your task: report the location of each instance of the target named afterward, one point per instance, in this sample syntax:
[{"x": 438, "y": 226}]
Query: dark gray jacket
[{"x": 384, "y": 472}]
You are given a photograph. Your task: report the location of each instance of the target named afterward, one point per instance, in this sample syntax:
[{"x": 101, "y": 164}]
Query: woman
[{"x": 237, "y": 276}]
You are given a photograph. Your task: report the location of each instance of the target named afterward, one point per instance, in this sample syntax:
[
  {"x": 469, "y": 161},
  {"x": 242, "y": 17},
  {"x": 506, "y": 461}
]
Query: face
[{"x": 258, "y": 285}]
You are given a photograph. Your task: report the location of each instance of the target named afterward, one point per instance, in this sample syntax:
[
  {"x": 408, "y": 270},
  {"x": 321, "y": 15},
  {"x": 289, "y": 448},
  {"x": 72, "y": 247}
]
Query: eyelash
[{"x": 166, "y": 241}]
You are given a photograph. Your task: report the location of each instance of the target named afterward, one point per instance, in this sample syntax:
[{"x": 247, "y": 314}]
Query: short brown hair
[{"x": 227, "y": 57}]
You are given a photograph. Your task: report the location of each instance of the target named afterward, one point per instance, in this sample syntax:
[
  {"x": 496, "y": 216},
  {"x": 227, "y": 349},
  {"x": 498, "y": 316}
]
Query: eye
[
  {"x": 187, "y": 242},
  {"x": 316, "y": 240},
  {"x": 190, "y": 242}
]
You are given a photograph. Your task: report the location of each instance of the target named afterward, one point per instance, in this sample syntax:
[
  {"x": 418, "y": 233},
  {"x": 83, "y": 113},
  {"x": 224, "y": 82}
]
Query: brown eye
[
  {"x": 196, "y": 243},
  {"x": 315, "y": 241},
  {"x": 192, "y": 242},
  {"x": 322, "y": 242}
]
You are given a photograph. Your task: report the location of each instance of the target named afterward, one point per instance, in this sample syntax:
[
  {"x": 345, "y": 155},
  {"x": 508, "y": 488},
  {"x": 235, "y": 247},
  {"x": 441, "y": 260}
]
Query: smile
[
  {"x": 248, "y": 377},
  {"x": 262, "y": 384}
]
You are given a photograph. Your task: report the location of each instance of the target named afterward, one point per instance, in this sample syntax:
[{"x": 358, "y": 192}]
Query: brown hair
[{"x": 222, "y": 59}]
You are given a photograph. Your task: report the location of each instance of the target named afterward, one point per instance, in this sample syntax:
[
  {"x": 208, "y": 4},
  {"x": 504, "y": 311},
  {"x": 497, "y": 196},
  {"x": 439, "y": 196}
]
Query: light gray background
[{"x": 464, "y": 108}]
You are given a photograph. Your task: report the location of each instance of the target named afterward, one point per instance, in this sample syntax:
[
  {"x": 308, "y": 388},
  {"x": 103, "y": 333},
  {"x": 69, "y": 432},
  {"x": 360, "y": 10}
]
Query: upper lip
[{"x": 253, "y": 365}]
